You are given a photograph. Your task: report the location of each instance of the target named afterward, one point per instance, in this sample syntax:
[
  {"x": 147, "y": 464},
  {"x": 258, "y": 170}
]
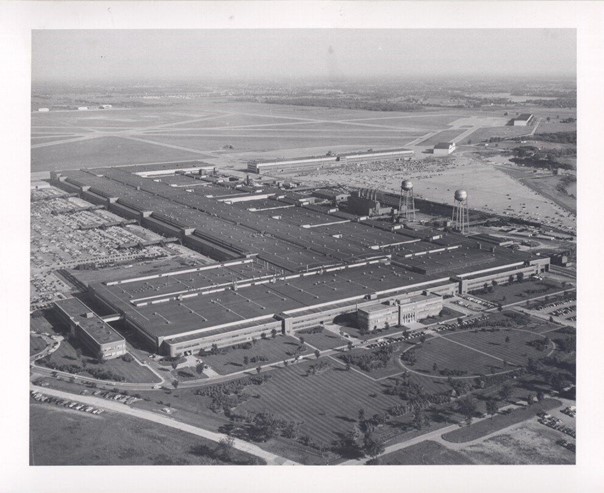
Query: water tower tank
[
  {"x": 460, "y": 195},
  {"x": 407, "y": 185}
]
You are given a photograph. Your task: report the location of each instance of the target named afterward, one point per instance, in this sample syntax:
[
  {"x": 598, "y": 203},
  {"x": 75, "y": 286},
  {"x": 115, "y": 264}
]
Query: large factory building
[{"x": 282, "y": 265}]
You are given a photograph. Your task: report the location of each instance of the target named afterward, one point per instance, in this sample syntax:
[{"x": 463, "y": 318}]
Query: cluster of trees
[
  {"x": 362, "y": 440},
  {"x": 318, "y": 368},
  {"x": 260, "y": 427},
  {"x": 254, "y": 359},
  {"x": 369, "y": 360},
  {"x": 532, "y": 157},
  {"x": 540, "y": 344},
  {"x": 223, "y": 453},
  {"x": 228, "y": 395},
  {"x": 351, "y": 104}
]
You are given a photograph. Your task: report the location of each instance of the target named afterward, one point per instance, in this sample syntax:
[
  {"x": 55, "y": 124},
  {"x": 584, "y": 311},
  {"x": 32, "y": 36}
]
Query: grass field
[
  {"x": 102, "y": 151},
  {"x": 444, "y": 136},
  {"x": 133, "y": 372},
  {"x": 323, "y": 340},
  {"x": 275, "y": 350},
  {"x": 519, "y": 291},
  {"x": 111, "y": 439},
  {"x": 326, "y": 403},
  {"x": 499, "y": 422},
  {"x": 529, "y": 443},
  {"x": 475, "y": 352},
  {"x": 36, "y": 344},
  {"x": 425, "y": 453}
]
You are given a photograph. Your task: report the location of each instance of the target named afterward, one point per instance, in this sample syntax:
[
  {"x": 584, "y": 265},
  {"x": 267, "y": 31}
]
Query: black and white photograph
[{"x": 304, "y": 246}]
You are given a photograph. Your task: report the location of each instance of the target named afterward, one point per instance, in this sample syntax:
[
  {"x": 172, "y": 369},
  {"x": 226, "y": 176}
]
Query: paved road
[{"x": 250, "y": 448}]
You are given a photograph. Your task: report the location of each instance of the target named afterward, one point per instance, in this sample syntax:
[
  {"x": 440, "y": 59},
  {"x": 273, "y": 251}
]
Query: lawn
[
  {"x": 274, "y": 350},
  {"x": 479, "y": 351},
  {"x": 36, "y": 344},
  {"x": 499, "y": 422},
  {"x": 60, "y": 436},
  {"x": 424, "y": 453},
  {"x": 67, "y": 354},
  {"x": 323, "y": 340},
  {"x": 518, "y": 291},
  {"x": 326, "y": 403},
  {"x": 445, "y": 314}
]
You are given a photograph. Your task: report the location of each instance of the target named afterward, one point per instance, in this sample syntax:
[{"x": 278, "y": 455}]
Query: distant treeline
[
  {"x": 558, "y": 137},
  {"x": 347, "y": 104}
]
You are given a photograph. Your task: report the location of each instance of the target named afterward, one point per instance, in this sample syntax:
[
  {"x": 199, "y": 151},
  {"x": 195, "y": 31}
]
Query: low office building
[
  {"x": 90, "y": 329},
  {"x": 398, "y": 312}
]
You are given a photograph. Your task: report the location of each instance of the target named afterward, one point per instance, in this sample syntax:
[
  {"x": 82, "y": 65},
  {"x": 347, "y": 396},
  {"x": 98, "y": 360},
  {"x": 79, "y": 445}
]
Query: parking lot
[{"x": 76, "y": 406}]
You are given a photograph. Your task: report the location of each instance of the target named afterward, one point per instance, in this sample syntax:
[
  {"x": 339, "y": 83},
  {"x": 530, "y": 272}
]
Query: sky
[{"x": 80, "y": 55}]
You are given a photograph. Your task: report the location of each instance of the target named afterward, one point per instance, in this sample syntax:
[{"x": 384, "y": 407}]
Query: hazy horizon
[{"x": 289, "y": 54}]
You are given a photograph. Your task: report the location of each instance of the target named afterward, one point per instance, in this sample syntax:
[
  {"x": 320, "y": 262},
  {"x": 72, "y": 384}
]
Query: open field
[
  {"x": 111, "y": 439},
  {"x": 518, "y": 291},
  {"x": 499, "y": 422},
  {"x": 66, "y": 354},
  {"x": 475, "y": 352},
  {"x": 425, "y": 453},
  {"x": 444, "y": 136},
  {"x": 527, "y": 443},
  {"x": 274, "y": 350}
]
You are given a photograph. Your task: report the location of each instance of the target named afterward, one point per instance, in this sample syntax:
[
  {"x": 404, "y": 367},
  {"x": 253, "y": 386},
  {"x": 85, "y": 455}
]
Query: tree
[
  {"x": 347, "y": 366},
  {"x": 317, "y": 353},
  {"x": 505, "y": 392},
  {"x": 302, "y": 341},
  {"x": 467, "y": 407},
  {"x": 246, "y": 360},
  {"x": 540, "y": 396},
  {"x": 225, "y": 446},
  {"x": 263, "y": 335},
  {"x": 507, "y": 339},
  {"x": 274, "y": 333},
  {"x": 258, "y": 369},
  {"x": 361, "y": 415},
  {"x": 175, "y": 384},
  {"x": 434, "y": 367},
  {"x": 499, "y": 307},
  {"x": 285, "y": 363},
  {"x": 214, "y": 349},
  {"x": 492, "y": 407},
  {"x": 371, "y": 446},
  {"x": 349, "y": 345},
  {"x": 520, "y": 276}
]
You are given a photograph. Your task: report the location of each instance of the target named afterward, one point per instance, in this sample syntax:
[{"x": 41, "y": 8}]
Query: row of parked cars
[
  {"x": 464, "y": 323},
  {"x": 553, "y": 304},
  {"x": 77, "y": 406},
  {"x": 392, "y": 340},
  {"x": 570, "y": 411},
  {"x": 567, "y": 310},
  {"x": 478, "y": 301},
  {"x": 566, "y": 444},
  {"x": 124, "y": 399},
  {"x": 556, "y": 424}
]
